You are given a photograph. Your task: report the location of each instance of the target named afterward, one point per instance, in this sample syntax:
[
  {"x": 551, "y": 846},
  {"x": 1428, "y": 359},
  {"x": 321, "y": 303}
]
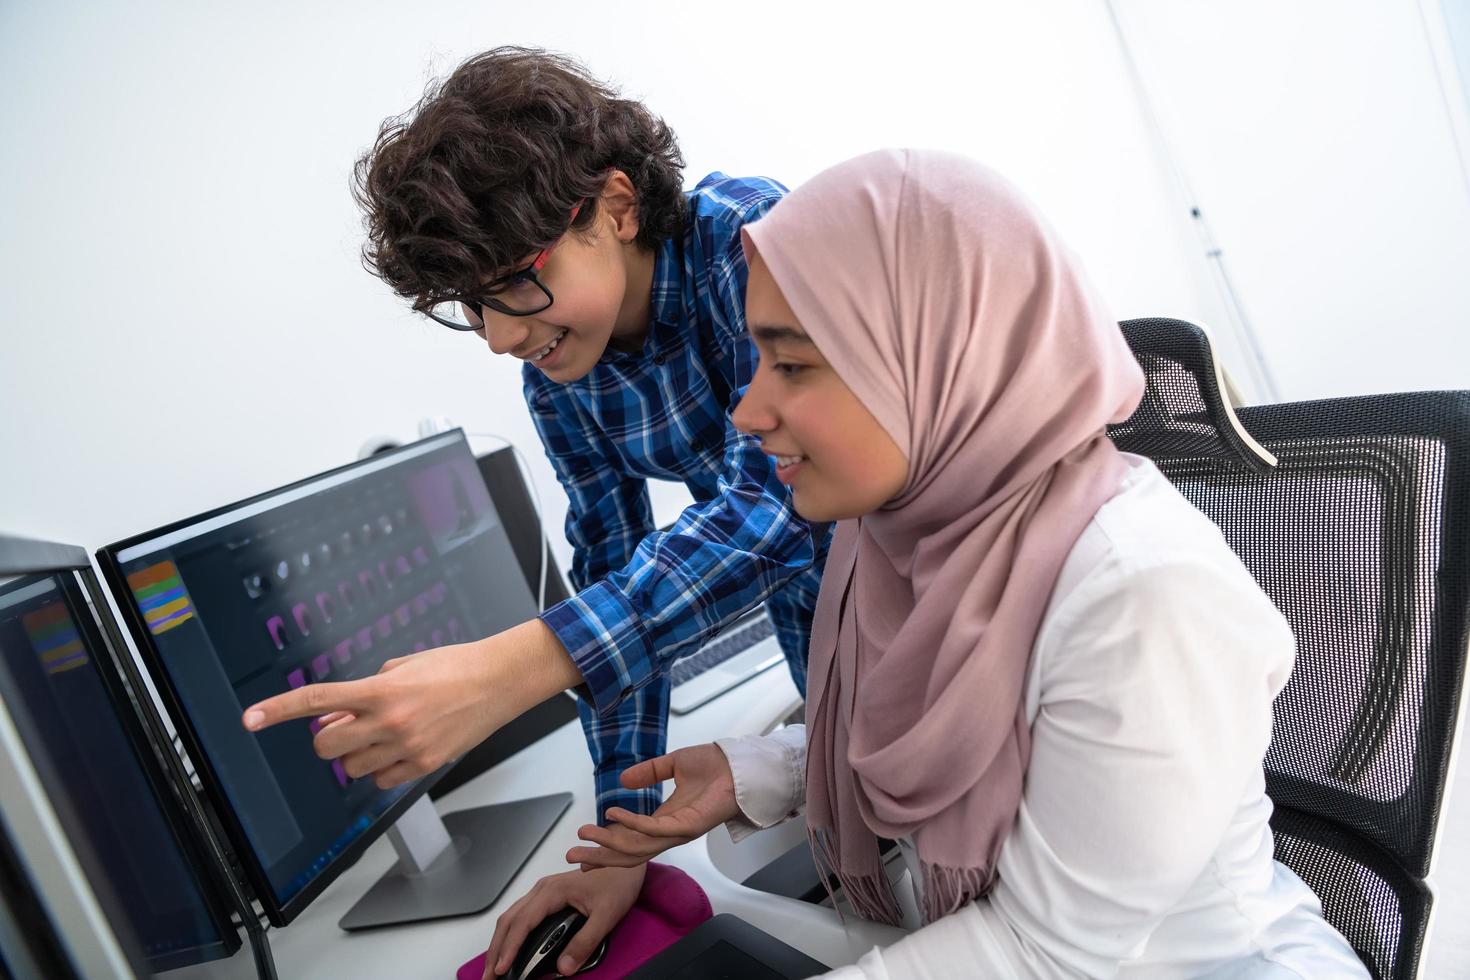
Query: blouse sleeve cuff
[{"x": 770, "y": 778}]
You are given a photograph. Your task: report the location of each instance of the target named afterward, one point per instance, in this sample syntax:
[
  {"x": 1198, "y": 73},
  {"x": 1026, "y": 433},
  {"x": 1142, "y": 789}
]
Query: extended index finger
[{"x": 309, "y": 702}]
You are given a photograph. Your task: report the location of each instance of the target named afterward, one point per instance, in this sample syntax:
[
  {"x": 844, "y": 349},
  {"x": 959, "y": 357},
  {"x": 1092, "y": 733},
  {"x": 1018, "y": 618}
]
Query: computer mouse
[{"x": 538, "y": 954}]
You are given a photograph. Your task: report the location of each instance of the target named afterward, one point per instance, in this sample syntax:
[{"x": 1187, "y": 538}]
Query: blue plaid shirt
[{"x": 647, "y": 597}]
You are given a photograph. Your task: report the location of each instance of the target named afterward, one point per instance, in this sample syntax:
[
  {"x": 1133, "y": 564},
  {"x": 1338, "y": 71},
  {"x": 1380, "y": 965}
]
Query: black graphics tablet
[{"x": 729, "y": 948}]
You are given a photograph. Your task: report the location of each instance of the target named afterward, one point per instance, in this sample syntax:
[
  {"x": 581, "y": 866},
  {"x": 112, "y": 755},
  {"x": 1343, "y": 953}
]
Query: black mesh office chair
[{"x": 1354, "y": 516}]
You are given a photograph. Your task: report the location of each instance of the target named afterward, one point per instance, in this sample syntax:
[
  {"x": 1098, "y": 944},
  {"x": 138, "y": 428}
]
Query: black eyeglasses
[{"x": 521, "y": 293}]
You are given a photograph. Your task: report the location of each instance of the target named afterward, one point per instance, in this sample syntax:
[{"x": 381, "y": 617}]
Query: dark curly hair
[{"x": 485, "y": 169}]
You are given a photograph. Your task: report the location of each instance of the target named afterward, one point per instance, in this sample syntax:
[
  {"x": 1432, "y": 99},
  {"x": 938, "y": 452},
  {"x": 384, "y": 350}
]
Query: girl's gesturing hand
[{"x": 703, "y": 798}]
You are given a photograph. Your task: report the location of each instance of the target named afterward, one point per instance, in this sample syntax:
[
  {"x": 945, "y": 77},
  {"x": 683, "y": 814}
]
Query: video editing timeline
[
  {"x": 93, "y": 767},
  {"x": 322, "y": 581}
]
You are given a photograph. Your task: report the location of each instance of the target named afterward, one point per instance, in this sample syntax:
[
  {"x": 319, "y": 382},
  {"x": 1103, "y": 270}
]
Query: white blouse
[{"x": 1141, "y": 848}]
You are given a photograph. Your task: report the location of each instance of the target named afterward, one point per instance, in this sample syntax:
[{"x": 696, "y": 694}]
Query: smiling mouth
[
  {"x": 533, "y": 358},
  {"x": 785, "y": 461}
]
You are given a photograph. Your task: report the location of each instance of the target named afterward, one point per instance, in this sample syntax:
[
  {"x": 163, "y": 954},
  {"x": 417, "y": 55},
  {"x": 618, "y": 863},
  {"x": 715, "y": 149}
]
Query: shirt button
[
  {"x": 697, "y": 445},
  {"x": 660, "y": 357}
]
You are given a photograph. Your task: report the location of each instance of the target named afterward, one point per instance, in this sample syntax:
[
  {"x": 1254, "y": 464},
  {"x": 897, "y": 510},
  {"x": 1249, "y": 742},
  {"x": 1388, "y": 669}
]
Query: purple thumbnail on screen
[
  {"x": 340, "y": 773},
  {"x": 324, "y": 603},
  {"x": 364, "y": 638},
  {"x": 314, "y": 725},
  {"x": 386, "y": 575},
  {"x": 276, "y": 626},
  {"x": 302, "y": 617},
  {"x": 437, "y": 638},
  {"x": 420, "y": 647},
  {"x": 297, "y": 678},
  {"x": 438, "y": 593},
  {"x": 365, "y": 579},
  {"x": 342, "y": 653},
  {"x": 420, "y": 604},
  {"x": 401, "y": 614},
  {"x": 344, "y": 591},
  {"x": 449, "y": 498},
  {"x": 320, "y": 667},
  {"x": 401, "y": 566},
  {"x": 420, "y": 556},
  {"x": 385, "y": 627}
]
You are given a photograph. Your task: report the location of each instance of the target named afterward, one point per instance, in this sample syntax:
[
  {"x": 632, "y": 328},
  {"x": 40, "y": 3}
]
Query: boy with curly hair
[{"x": 523, "y": 202}]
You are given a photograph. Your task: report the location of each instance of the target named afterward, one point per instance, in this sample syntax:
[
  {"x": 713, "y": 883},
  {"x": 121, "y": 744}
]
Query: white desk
[{"x": 314, "y": 947}]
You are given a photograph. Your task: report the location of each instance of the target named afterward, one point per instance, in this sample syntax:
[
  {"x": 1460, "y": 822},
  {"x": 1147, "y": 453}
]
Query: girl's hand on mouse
[
  {"x": 703, "y": 798},
  {"x": 604, "y": 897}
]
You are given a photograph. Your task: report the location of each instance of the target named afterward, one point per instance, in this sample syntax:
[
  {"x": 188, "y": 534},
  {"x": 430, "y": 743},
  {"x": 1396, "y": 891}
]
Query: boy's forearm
[{"x": 528, "y": 663}]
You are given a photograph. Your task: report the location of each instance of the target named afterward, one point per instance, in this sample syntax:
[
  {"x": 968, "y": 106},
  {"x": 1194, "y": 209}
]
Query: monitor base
[{"x": 488, "y": 845}]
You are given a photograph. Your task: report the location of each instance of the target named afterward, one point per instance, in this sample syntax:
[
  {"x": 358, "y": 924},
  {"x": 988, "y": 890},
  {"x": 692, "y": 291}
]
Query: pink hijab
[{"x": 950, "y": 309}]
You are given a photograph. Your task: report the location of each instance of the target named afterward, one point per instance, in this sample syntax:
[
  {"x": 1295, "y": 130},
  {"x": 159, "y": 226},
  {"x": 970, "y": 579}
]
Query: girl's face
[{"x": 838, "y": 460}]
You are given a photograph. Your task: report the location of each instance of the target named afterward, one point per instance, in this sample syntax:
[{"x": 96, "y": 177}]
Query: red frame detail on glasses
[{"x": 530, "y": 273}]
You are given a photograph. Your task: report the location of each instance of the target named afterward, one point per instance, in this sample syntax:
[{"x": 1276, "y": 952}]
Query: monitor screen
[
  {"x": 102, "y": 775},
  {"x": 324, "y": 580}
]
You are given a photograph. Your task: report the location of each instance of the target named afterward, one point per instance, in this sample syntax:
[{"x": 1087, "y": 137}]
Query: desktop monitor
[
  {"x": 325, "y": 580},
  {"x": 511, "y": 493},
  {"x": 96, "y": 792}
]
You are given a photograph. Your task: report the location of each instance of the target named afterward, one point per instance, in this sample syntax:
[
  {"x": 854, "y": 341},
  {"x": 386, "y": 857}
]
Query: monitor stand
[{"x": 454, "y": 865}]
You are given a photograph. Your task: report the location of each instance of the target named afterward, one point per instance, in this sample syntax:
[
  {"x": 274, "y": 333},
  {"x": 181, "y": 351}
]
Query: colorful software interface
[
  {"x": 322, "y": 581},
  {"x": 94, "y": 768}
]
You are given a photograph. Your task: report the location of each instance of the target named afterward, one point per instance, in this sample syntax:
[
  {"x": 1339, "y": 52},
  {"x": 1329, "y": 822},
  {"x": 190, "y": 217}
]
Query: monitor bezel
[
  {"x": 278, "y": 912},
  {"x": 21, "y": 557}
]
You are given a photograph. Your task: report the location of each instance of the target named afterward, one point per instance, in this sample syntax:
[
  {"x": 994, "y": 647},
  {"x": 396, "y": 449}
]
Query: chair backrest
[{"x": 1360, "y": 533}]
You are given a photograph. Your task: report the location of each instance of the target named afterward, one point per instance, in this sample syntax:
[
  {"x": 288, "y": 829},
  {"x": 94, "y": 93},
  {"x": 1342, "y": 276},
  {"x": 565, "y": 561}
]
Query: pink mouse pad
[{"x": 670, "y": 905}]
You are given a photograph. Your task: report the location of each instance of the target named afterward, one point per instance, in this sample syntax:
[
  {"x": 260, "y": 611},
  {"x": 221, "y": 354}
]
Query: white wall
[
  {"x": 1322, "y": 149},
  {"x": 185, "y": 320}
]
